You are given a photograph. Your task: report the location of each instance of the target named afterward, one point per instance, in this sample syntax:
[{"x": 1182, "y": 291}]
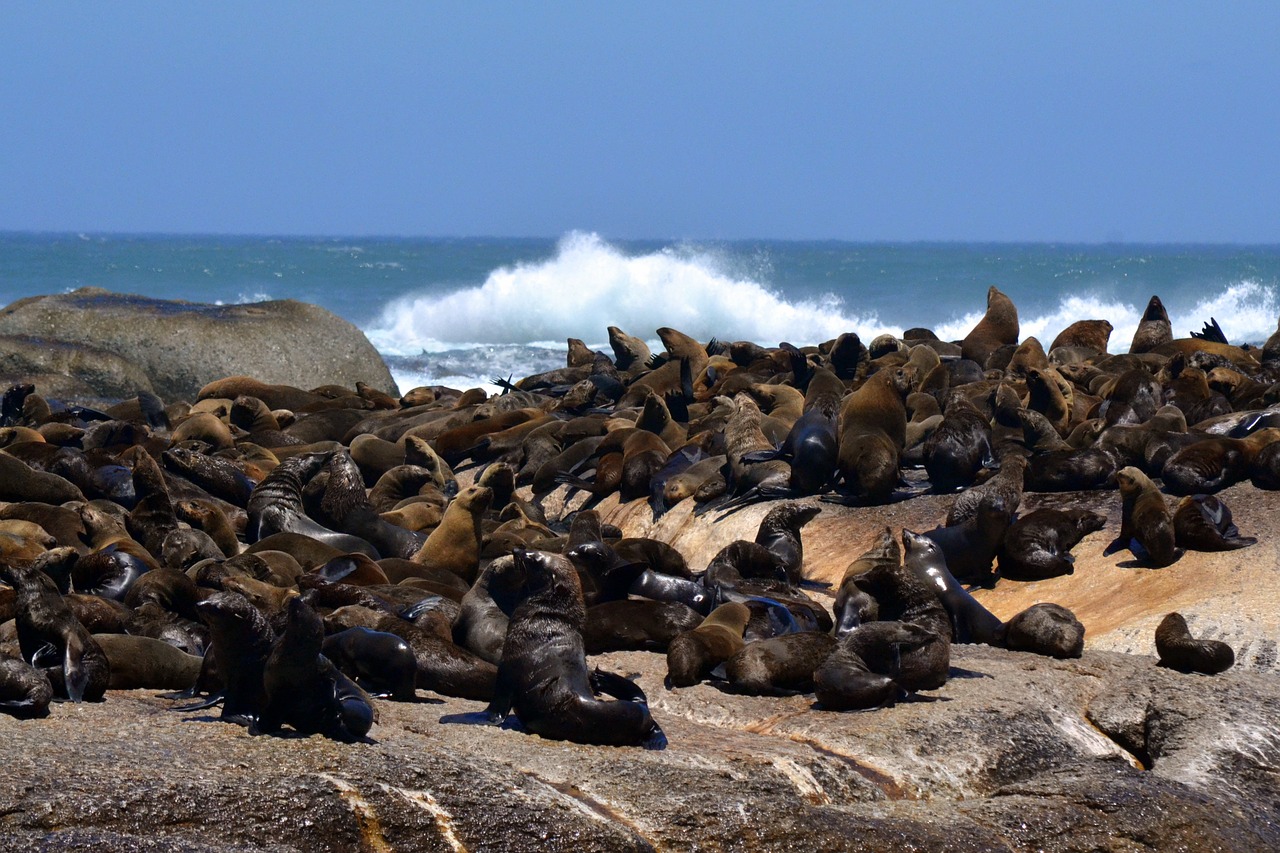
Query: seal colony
[{"x": 298, "y": 556}]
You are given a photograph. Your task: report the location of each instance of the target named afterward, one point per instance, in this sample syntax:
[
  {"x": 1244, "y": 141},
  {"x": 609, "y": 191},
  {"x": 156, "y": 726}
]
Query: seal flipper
[
  {"x": 1117, "y": 544},
  {"x": 1138, "y": 549},
  {"x": 617, "y": 686},
  {"x": 75, "y": 674},
  {"x": 656, "y": 740}
]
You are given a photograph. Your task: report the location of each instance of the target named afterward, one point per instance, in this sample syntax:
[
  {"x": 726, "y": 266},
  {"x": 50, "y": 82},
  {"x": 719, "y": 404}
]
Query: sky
[{"x": 1079, "y": 122}]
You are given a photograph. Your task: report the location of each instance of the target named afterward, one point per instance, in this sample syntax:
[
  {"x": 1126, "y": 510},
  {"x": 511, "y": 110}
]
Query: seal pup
[
  {"x": 543, "y": 675},
  {"x": 25, "y": 692},
  {"x": 1038, "y": 545},
  {"x": 1179, "y": 650},
  {"x": 692, "y": 655},
  {"x": 305, "y": 690},
  {"x": 1146, "y": 525},
  {"x": 779, "y": 666},
  {"x": 1203, "y": 523},
  {"x": 53, "y": 640},
  {"x": 1046, "y": 629},
  {"x": 860, "y": 673}
]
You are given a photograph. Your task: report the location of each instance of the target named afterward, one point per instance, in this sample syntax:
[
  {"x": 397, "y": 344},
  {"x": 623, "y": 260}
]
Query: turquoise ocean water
[{"x": 461, "y": 311}]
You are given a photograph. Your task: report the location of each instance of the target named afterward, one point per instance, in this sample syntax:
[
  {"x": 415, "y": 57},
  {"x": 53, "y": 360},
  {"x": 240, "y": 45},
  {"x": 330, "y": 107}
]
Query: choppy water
[{"x": 460, "y": 311}]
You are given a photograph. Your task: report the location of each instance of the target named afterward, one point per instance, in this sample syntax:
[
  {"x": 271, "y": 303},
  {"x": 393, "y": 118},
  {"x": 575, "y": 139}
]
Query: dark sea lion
[
  {"x": 1146, "y": 525},
  {"x": 1154, "y": 329},
  {"x": 630, "y": 624},
  {"x": 481, "y": 625},
  {"x": 53, "y": 640},
  {"x": 692, "y": 654},
  {"x": 346, "y": 506},
  {"x": 970, "y": 621},
  {"x": 779, "y": 532},
  {"x": 219, "y": 476},
  {"x": 1203, "y": 523},
  {"x": 543, "y": 676},
  {"x": 1179, "y": 650},
  {"x": 853, "y": 606},
  {"x": 779, "y": 666},
  {"x": 153, "y": 621},
  {"x": 109, "y": 572},
  {"x": 25, "y": 692},
  {"x": 860, "y": 672},
  {"x": 998, "y": 327},
  {"x": 146, "y": 663},
  {"x": 21, "y": 482},
  {"x": 305, "y": 690},
  {"x": 276, "y": 507},
  {"x": 380, "y": 662},
  {"x": 960, "y": 447},
  {"x": 1132, "y": 397},
  {"x": 1038, "y": 545},
  {"x": 1007, "y": 483},
  {"x": 970, "y": 547},
  {"x": 97, "y": 614},
  {"x": 455, "y": 543},
  {"x": 1046, "y": 629},
  {"x": 1093, "y": 334}
]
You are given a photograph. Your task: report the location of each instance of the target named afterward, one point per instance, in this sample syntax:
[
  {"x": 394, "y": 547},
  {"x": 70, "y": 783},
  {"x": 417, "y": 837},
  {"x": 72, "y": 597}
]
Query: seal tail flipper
[
  {"x": 656, "y": 739},
  {"x": 214, "y": 699}
]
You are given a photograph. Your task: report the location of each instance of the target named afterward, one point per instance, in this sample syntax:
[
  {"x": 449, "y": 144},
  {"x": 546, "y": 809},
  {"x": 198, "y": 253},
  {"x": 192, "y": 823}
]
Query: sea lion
[
  {"x": 305, "y": 690},
  {"x": 998, "y": 327},
  {"x": 53, "y": 640},
  {"x": 25, "y": 692},
  {"x": 347, "y": 508},
  {"x": 217, "y": 475},
  {"x": 960, "y": 447},
  {"x": 1179, "y": 650},
  {"x": 970, "y": 621},
  {"x": 1007, "y": 483},
  {"x": 1213, "y": 464},
  {"x": 1038, "y": 545},
  {"x": 779, "y": 666},
  {"x": 1146, "y": 525},
  {"x": 636, "y": 623},
  {"x": 145, "y": 663},
  {"x": 859, "y": 673},
  {"x": 1203, "y": 523},
  {"x": 20, "y": 482},
  {"x": 779, "y": 532},
  {"x": 1154, "y": 329},
  {"x": 456, "y": 541},
  {"x": 853, "y": 606},
  {"x": 970, "y": 547},
  {"x": 481, "y": 626},
  {"x": 543, "y": 676},
  {"x": 1046, "y": 629},
  {"x": 276, "y": 507},
  {"x": 692, "y": 654},
  {"x": 1091, "y": 334},
  {"x": 380, "y": 662},
  {"x": 872, "y": 435}
]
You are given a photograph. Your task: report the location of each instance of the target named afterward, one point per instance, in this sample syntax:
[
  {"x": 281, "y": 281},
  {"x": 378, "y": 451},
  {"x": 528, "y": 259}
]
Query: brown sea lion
[
  {"x": 693, "y": 654},
  {"x": 1091, "y": 334},
  {"x": 998, "y": 327},
  {"x": 872, "y": 434},
  {"x": 1146, "y": 525},
  {"x": 1038, "y": 545},
  {"x": 1046, "y": 629},
  {"x": 1203, "y": 523},
  {"x": 1154, "y": 329},
  {"x": 860, "y": 673},
  {"x": 455, "y": 543},
  {"x": 779, "y": 666}
]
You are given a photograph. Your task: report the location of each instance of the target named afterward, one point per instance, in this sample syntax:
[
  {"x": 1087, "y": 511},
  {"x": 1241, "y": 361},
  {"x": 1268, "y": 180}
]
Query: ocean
[{"x": 463, "y": 311}]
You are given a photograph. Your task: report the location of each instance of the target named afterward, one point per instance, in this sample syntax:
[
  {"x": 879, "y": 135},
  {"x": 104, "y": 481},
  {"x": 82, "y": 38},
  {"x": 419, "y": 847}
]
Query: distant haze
[{"x": 1089, "y": 122}]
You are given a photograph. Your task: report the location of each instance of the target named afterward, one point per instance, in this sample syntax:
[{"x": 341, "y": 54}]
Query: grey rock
[{"x": 94, "y": 336}]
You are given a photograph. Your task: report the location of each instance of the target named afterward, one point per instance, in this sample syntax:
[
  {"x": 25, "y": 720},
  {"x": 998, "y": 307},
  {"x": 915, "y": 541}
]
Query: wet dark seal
[
  {"x": 544, "y": 678},
  {"x": 861, "y": 672},
  {"x": 1038, "y": 545}
]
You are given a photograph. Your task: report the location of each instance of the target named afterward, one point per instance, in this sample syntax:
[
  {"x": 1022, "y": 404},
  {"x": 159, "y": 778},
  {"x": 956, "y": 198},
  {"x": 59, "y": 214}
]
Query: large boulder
[{"x": 181, "y": 346}]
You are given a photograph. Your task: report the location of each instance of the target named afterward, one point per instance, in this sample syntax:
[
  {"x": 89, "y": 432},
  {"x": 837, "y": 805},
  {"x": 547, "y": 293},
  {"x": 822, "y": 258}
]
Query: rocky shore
[{"x": 1016, "y": 752}]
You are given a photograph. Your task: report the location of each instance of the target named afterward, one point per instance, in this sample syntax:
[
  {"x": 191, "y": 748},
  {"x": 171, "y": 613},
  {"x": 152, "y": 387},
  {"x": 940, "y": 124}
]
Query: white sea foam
[{"x": 589, "y": 285}]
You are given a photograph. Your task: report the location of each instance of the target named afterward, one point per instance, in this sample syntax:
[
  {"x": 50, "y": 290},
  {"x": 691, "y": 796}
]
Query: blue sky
[{"x": 903, "y": 121}]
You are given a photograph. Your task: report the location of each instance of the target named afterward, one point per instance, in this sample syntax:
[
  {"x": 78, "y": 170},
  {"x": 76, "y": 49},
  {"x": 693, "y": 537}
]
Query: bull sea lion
[
  {"x": 543, "y": 676},
  {"x": 1179, "y": 650},
  {"x": 276, "y": 507},
  {"x": 873, "y": 433}
]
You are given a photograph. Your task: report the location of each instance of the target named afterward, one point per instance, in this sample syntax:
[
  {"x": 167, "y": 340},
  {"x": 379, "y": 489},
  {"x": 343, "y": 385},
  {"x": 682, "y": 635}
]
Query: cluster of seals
[{"x": 311, "y": 549}]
